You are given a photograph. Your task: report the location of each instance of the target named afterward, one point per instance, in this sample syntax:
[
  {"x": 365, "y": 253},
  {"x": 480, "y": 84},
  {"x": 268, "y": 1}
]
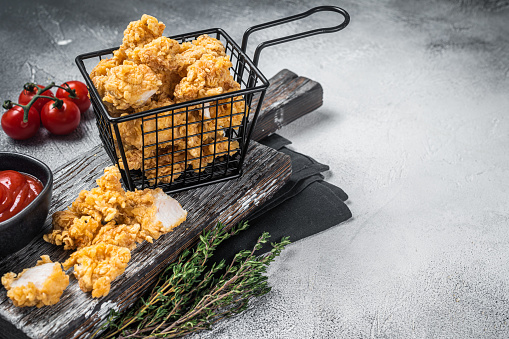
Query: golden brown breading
[
  {"x": 133, "y": 157},
  {"x": 110, "y": 180},
  {"x": 130, "y": 85},
  {"x": 100, "y": 74},
  {"x": 105, "y": 223},
  {"x": 178, "y": 73},
  {"x": 168, "y": 167},
  {"x": 64, "y": 219},
  {"x": 206, "y": 77},
  {"x": 211, "y": 45},
  {"x": 102, "y": 203},
  {"x": 150, "y": 209},
  {"x": 211, "y": 76},
  {"x": 148, "y": 214},
  {"x": 130, "y": 217},
  {"x": 131, "y": 131},
  {"x": 159, "y": 54},
  {"x": 120, "y": 235},
  {"x": 190, "y": 52},
  {"x": 78, "y": 225},
  {"x": 96, "y": 266},
  {"x": 103, "y": 67},
  {"x": 220, "y": 147},
  {"x": 139, "y": 33},
  {"x": 73, "y": 234},
  {"x": 38, "y": 286},
  {"x": 117, "y": 82}
]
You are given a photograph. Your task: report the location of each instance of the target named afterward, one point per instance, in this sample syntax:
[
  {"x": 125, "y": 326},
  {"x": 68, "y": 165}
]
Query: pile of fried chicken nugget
[
  {"x": 150, "y": 71},
  {"x": 101, "y": 226}
]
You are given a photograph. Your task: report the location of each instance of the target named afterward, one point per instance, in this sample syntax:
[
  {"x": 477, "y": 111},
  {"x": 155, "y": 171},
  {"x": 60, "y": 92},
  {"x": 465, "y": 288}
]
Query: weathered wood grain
[
  {"x": 288, "y": 98},
  {"x": 78, "y": 314}
]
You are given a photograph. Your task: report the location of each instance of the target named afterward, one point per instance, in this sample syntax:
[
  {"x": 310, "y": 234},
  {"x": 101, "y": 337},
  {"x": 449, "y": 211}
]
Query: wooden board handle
[{"x": 288, "y": 98}]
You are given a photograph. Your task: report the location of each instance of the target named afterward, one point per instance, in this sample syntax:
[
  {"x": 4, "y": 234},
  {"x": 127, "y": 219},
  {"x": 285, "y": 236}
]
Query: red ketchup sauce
[{"x": 17, "y": 190}]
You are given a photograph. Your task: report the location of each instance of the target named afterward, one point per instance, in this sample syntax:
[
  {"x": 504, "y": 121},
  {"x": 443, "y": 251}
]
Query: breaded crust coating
[
  {"x": 130, "y": 86},
  {"x": 138, "y": 33},
  {"x": 72, "y": 233},
  {"x": 105, "y": 223},
  {"x": 178, "y": 73},
  {"x": 41, "y": 285},
  {"x": 97, "y": 266}
]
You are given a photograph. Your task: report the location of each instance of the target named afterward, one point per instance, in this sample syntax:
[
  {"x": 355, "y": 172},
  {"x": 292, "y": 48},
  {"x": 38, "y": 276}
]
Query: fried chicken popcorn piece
[
  {"x": 169, "y": 166},
  {"x": 159, "y": 54},
  {"x": 102, "y": 68},
  {"x": 114, "y": 84},
  {"x": 96, "y": 266},
  {"x": 110, "y": 180},
  {"x": 102, "y": 203},
  {"x": 206, "y": 77},
  {"x": 100, "y": 73},
  {"x": 131, "y": 131},
  {"x": 193, "y": 51},
  {"x": 73, "y": 234},
  {"x": 220, "y": 147},
  {"x": 211, "y": 45},
  {"x": 139, "y": 33},
  {"x": 105, "y": 223},
  {"x": 157, "y": 212},
  {"x": 150, "y": 71},
  {"x": 133, "y": 157},
  {"x": 41, "y": 285},
  {"x": 130, "y": 85},
  {"x": 133, "y": 220},
  {"x": 120, "y": 235},
  {"x": 211, "y": 76},
  {"x": 77, "y": 226}
]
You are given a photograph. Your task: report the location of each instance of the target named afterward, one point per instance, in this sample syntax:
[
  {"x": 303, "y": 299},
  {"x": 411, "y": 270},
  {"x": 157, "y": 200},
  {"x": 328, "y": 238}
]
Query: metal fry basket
[{"x": 197, "y": 142}]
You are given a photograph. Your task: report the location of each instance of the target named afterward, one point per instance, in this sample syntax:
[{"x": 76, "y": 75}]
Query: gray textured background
[{"x": 414, "y": 126}]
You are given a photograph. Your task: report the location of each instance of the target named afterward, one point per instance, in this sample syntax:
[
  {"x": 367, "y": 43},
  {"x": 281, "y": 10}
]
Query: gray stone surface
[{"x": 414, "y": 127}]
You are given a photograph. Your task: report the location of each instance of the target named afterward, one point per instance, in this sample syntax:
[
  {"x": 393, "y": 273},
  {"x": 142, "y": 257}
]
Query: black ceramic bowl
[{"x": 19, "y": 230}]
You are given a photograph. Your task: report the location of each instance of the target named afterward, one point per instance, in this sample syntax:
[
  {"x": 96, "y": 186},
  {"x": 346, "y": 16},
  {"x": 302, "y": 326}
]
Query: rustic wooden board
[
  {"x": 288, "y": 98},
  {"x": 78, "y": 315}
]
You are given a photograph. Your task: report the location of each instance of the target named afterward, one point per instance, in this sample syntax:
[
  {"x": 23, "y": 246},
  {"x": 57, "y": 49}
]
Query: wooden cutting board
[{"x": 78, "y": 315}]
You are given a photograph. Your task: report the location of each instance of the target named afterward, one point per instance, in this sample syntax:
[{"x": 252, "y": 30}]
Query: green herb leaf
[{"x": 191, "y": 295}]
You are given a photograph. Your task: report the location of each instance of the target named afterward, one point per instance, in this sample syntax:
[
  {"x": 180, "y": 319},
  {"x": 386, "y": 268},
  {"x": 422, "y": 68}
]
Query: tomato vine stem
[
  {"x": 29, "y": 87},
  {"x": 72, "y": 92}
]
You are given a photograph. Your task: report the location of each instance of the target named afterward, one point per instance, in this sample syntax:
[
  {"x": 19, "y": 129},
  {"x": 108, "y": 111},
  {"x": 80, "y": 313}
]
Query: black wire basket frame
[{"x": 169, "y": 167}]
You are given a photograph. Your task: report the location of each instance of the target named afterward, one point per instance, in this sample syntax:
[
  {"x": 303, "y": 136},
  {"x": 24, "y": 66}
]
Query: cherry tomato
[
  {"x": 81, "y": 100},
  {"x": 25, "y": 97},
  {"x": 61, "y": 120},
  {"x": 13, "y": 125}
]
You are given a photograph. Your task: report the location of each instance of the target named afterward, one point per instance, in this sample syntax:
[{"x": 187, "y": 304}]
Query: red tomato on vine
[
  {"x": 81, "y": 91},
  {"x": 60, "y": 117},
  {"x": 28, "y": 93},
  {"x": 13, "y": 125}
]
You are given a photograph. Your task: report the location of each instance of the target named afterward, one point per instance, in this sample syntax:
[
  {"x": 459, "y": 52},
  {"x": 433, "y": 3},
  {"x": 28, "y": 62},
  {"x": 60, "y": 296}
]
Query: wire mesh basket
[{"x": 197, "y": 142}]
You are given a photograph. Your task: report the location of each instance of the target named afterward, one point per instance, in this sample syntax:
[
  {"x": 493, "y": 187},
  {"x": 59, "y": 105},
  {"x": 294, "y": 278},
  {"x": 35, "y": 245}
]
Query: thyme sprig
[{"x": 192, "y": 294}]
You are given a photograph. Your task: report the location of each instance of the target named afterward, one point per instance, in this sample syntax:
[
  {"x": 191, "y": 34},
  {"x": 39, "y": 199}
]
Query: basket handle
[{"x": 292, "y": 37}]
